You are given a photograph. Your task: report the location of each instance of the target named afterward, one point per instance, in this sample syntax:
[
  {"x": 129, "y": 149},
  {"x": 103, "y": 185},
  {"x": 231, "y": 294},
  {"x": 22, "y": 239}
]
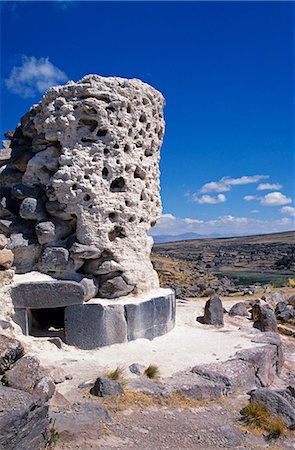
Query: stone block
[
  {"x": 95, "y": 325},
  {"x": 46, "y": 294},
  {"x": 99, "y": 324},
  {"x": 151, "y": 318}
]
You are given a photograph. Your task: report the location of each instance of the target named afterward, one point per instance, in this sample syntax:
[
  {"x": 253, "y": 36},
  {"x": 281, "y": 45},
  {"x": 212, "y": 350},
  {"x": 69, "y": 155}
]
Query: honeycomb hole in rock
[
  {"x": 47, "y": 322},
  {"x": 118, "y": 185}
]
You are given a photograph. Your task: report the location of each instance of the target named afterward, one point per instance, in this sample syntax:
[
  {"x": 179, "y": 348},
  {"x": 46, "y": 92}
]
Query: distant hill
[
  {"x": 182, "y": 237},
  {"x": 265, "y": 252}
]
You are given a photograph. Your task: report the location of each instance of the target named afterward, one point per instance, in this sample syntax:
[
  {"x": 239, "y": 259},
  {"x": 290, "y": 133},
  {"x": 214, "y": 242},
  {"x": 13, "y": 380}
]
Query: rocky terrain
[
  {"x": 187, "y": 279},
  {"x": 268, "y": 255}
]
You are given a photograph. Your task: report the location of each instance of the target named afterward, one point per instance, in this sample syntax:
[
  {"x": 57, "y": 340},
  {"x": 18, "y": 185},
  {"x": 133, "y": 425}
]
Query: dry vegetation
[
  {"x": 139, "y": 400},
  {"x": 256, "y": 415}
]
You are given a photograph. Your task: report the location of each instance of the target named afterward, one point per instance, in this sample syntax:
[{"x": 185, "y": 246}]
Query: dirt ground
[{"x": 138, "y": 422}]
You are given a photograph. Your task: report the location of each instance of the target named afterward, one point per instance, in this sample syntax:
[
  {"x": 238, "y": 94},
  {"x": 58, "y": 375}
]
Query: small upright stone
[{"x": 213, "y": 311}]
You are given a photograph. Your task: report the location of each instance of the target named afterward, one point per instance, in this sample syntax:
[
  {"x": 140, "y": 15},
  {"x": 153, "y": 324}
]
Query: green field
[{"x": 248, "y": 278}]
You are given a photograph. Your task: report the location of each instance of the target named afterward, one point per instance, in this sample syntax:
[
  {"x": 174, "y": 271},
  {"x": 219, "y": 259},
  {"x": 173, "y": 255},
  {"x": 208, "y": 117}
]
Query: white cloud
[
  {"x": 269, "y": 187},
  {"x": 225, "y": 183},
  {"x": 288, "y": 210},
  {"x": 275, "y": 199},
  {"x": 210, "y": 199},
  {"x": 228, "y": 225},
  {"x": 254, "y": 211},
  {"x": 215, "y": 186},
  {"x": 249, "y": 198},
  {"x": 167, "y": 216},
  {"x": 33, "y": 76}
]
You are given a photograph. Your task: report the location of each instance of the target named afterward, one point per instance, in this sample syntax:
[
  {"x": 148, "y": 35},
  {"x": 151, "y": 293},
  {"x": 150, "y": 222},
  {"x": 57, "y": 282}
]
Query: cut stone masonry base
[{"x": 98, "y": 322}]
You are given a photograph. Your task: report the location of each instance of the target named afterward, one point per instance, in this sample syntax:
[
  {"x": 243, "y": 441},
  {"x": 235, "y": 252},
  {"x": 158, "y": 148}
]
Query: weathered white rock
[{"x": 93, "y": 158}]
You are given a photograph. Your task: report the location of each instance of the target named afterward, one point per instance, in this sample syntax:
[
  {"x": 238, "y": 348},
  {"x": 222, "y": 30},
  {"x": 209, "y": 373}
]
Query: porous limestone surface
[{"x": 81, "y": 188}]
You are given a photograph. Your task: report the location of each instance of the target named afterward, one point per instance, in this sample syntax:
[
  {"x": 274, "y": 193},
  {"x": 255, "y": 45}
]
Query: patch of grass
[
  {"x": 291, "y": 282},
  {"x": 152, "y": 371},
  {"x": 116, "y": 374},
  {"x": 249, "y": 278},
  {"x": 139, "y": 401},
  {"x": 257, "y": 415},
  {"x": 53, "y": 435}
]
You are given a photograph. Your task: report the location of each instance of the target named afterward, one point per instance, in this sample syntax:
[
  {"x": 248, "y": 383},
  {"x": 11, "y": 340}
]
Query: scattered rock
[
  {"x": 136, "y": 368},
  {"x": 104, "y": 387},
  {"x": 57, "y": 374},
  {"x": 213, "y": 314}
]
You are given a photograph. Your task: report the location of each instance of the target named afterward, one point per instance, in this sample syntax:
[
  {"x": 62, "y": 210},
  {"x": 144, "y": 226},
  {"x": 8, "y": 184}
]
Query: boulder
[
  {"x": 264, "y": 318},
  {"x": 239, "y": 309},
  {"x": 275, "y": 340},
  {"x": 27, "y": 375},
  {"x": 10, "y": 351},
  {"x": 264, "y": 359},
  {"x": 233, "y": 374},
  {"x": 213, "y": 314},
  {"x": 287, "y": 314},
  {"x": 277, "y": 404},
  {"x": 23, "y": 420},
  {"x": 196, "y": 387},
  {"x": 276, "y": 297},
  {"x": 104, "y": 387},
  {"x": 280, "y": 307}
]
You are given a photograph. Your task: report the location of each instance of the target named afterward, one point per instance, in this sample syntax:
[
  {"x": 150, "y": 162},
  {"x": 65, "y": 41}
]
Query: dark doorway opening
[{"x": 47, "y": 322}]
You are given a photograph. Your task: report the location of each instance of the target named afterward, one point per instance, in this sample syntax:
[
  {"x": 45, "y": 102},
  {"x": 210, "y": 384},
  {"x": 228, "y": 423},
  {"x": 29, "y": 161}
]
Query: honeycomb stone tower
[{"x": 80, "y": 190}]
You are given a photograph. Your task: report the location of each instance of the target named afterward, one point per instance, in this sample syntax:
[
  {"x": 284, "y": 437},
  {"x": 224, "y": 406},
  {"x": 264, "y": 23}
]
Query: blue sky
[{"x": 226, "y": 70}]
